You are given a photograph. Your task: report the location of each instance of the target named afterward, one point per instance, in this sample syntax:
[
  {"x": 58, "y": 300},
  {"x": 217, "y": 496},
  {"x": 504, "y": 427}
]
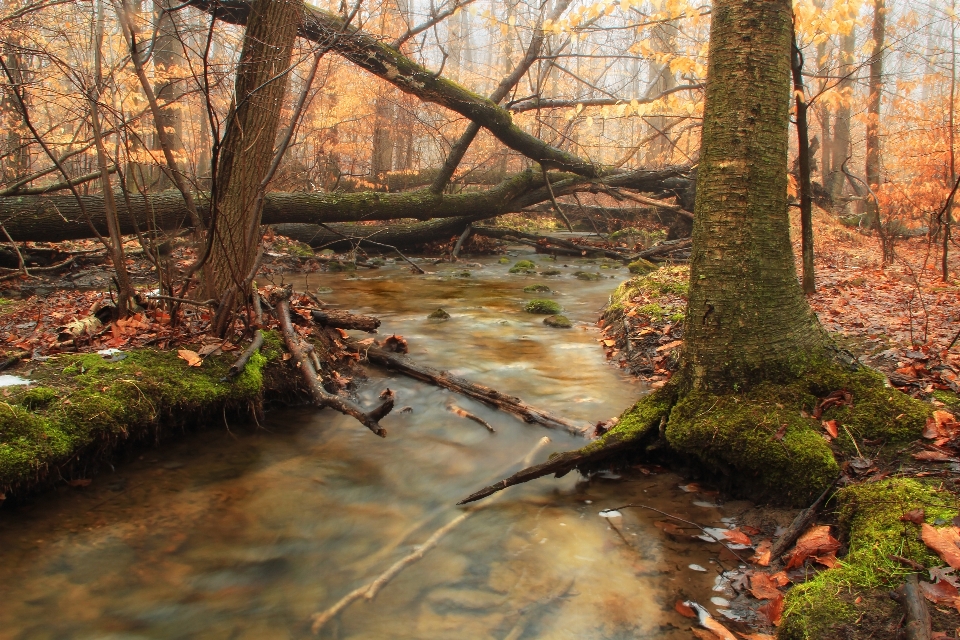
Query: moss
[
  {"x": 637, "y": 422},
  {"x": 439, "y": 314},
  {"x": 88, "y": 403},
  {"x": 949, "y": 398},
  {"x": 294, "y": 248},
  {"x": 542, "y": 305},
  {"x": 504, "y": 260},
  {"x": 586, "y": 275},
  {"x": 869, "y": 519},
  {"x": 536, "y": 288},
  {"x": 523, "y": 266},
  {"x": 758, "y": 439},
  {"x": 641, "y": 267},
  {"x": 654, "y": 310},
  {"x": 338, "y": 266},
  {"x": 550, "y": 272},
  {"x": 558, "y": 322}
]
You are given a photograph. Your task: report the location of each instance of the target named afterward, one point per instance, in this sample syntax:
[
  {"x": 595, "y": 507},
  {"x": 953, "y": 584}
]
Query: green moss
[
  {"x": 85, "y": 400},
  {"x": 504, "y": 260},
  {"x": 654, "y": 310},
  {"x": 759, "y": 439},
  {"x": 536, "y": 288},
  {"x": 869, "y": 519},
  {"x": 558, "y": 322},
  {"x": 641, "y": 267},
  {"x": 637, "y": 422},
  {"x": 586, "y": 275},
  {"x": 439, "y": 314},
  {"x": 948, "y": 398},
  {"x": 550, "y": 272},
  {"x": 523, "y": 266},
  {"x": 542, "y": 305}
]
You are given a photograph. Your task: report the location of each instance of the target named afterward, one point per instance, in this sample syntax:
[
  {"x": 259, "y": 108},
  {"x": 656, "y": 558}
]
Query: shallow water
[{"x": 246, "y": 533}]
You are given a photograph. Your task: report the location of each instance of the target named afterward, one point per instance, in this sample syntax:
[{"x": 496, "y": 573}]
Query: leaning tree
[{"x": 755, "y": 363}]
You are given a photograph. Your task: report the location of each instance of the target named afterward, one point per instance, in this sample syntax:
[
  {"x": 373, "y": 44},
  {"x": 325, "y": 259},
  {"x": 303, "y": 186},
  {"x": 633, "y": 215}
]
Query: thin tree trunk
[
  {"x": 841, "y": 128},
  {"x": 948, "y": 214},
  {"x": 803, "y": 149},
  {"x": 873, "y": 124}
]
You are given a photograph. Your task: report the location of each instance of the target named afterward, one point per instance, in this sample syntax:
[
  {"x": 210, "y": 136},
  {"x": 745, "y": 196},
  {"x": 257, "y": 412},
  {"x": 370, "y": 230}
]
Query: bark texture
[
  {"x": 248, "y": 145},
  {"x": 747, "y": 315}
]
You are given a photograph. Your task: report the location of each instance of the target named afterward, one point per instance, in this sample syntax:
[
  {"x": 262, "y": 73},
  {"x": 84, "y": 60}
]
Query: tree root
[
  {"x": 237, "y": 367},
  {"x": 308, "y": 363},
  {"x": 478, "y": 391}
]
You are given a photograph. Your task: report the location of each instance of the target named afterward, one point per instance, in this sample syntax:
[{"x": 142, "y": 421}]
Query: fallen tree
[{"x": 54, "y": 218}]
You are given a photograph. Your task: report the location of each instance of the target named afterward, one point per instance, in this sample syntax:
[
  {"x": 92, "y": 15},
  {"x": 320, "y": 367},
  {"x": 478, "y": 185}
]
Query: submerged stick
[
  {"x": 370, "y": 589},
  {"x": 322, "y": 397},
  {"x": 463, "y": 413},
  {"x": 480, "y": 392}
]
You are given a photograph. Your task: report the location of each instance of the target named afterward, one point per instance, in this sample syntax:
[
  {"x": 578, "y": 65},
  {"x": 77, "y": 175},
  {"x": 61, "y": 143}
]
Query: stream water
[{"x": 246, "y": 533}]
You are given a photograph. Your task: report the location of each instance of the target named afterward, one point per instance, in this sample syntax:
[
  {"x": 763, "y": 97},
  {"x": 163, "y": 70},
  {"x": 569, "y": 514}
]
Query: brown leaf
[
  {"x": 780, "y": 578},
  {"x": 80, "y": 482},
  {"x": 703, "y": 634},
  {"x": 756, "y": 636},
  {"x": 684, "y": 609},
  {"x": 773, "y": 610},
  {"x": 941, "y": 425},
  {"x": 815, "y": 542},
  {"x": 750, "y": 531},
  {"x": 737, "y": 537},
  {"x": 192, "y": 357},
  {"x": 780, "y": 432},
  {"x": 762, "y": 554},
  {"x": 940, "y": 592},
  {"x": 832, "y": 427},
  {"x": 945, "y": 541},
  {"x": 208, "y": 349},
  {"x": 763, "y": 587},
  {"x": 916, "y": 516},
  {"x": 928, "y": 455},
  {"x": 668, "y": 527},
  {"x": 837, "y": 398}
]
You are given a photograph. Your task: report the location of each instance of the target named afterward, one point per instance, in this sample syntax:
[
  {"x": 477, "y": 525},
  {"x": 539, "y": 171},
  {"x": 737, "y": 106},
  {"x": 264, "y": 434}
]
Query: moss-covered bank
[{"x": 81, "y": 408}]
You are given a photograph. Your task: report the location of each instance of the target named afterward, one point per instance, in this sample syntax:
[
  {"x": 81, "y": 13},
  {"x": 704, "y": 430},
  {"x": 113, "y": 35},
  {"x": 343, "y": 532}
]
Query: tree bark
[
  {"x": 248, "y": 146},
  {"x": 841, "y": 129},
  {"x": 747, "y": 316}
]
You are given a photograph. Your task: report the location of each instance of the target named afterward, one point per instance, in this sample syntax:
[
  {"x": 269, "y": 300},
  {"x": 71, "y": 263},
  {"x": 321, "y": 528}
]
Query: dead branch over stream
[
  {"x": 480, "y": 392},
  {"x": 307, "y": 361}
]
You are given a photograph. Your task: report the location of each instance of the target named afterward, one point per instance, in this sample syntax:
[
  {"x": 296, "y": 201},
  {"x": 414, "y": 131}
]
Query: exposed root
[{"x": 302, "y": 356}]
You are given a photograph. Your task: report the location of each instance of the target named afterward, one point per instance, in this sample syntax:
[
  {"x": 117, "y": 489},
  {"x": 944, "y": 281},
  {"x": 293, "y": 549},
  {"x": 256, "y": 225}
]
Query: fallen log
[
  {"x": 370, "y": 590},
  {"x": 664, "y": 247},
  {"x": 918, "y": 624},
  {"x": 339, "y": 319},
  {"x": 308, "y": 363},
  {"x": 480, "y": 392}
]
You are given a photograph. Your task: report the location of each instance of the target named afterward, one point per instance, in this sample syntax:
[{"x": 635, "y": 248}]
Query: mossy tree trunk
[
  {"x": 747, "y": 317},
  {"x": 248, "y": 149}
]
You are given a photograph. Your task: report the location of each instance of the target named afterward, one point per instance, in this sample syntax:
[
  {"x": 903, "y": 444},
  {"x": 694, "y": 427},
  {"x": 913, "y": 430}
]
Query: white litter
[
  {"x": 12, "y": 381},
  {"x": 610, "y": 513}
]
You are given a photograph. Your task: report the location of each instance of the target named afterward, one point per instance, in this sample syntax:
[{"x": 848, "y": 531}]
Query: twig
[
  {"x": 463, "y": 413},
  {"x": 23, "y": 264},
  {"x": 197, "y": 303},
  {"x": 553, "y": 199},
  {"x": 49, "y": 269},
  {"x": 800, "y": 523},
  {"x": 370, "y": 590}
]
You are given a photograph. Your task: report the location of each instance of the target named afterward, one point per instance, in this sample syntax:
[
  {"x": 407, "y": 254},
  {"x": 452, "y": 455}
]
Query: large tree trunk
[
  {"x": 248, "y": 146},
  {"x": 167, "y": 57},
  {"x": 833, "y": 182}
]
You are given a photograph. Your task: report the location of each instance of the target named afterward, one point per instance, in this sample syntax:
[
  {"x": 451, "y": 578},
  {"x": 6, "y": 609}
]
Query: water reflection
[{"x": 246, "y": 534}]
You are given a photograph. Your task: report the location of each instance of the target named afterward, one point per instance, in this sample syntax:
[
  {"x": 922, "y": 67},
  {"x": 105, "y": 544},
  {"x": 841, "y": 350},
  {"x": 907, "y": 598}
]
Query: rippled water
[{"x": 247, "y": 533}]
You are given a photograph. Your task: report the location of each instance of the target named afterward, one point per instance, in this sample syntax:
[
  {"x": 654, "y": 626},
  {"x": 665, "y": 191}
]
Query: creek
[{"x": 246, "y": 532}]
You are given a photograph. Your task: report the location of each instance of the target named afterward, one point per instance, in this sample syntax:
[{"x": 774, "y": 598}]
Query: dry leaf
[
  {"x": 192, "y": 357},
  {"x": 929, "y": 455},
  {"x": 703, "y": 634},
  {"x": 668, "y": 527},
  {"x": 756, "y": 636},
  {"x": 831, "y": 427},
  {"x": 780, "y": 578},
  {"x": 939, "y": 593},
  {"x": 763, "y": 587},
  {"x": 773, "y": 610},
  {"x": 762, "y": 554},
  {"x": 945, "y": 541},
  {"x": 916, "y": 516},
  {"x": 815, "y": 542},
  {"x": 79, "y": 482},
  {"x": 750, "y": 531},
  {"x": 941, "y": 425},
  {"x": 737, "y": 537},
  {"x": 208, "y": 349},
  {"x": 684, "y": 609}
]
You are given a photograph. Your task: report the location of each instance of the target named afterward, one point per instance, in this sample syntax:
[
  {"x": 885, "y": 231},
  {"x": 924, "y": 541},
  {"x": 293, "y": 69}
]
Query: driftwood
[
  {"x": 344, "y": 320},
  {"x": 463, "y": 413},
  {"x": 241, "y": 362},
  {"x": 370, "y": 590},
  {"x": 480, "y": 392},
  {"x": 308, "y": 363},
  {"x": 918, "y": 625},
  {"x": 800, "y": 524}
]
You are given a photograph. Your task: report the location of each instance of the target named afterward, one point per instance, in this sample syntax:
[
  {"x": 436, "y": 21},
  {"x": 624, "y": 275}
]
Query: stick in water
[{"x": 370, "y": 590}]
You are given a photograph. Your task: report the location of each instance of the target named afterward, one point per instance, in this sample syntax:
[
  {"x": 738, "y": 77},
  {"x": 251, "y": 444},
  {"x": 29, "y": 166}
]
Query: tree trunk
[
  {"x": 747, "y": 315},
  {"x": 167, "y": 56},
  {"x": 248, "y": 146},
  {"x": 873, "y": 111},
  {"x": 841, "y": 128}
]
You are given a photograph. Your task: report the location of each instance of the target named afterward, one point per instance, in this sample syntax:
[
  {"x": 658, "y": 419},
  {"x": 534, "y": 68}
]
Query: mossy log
[{"x": 540, "y": 240}]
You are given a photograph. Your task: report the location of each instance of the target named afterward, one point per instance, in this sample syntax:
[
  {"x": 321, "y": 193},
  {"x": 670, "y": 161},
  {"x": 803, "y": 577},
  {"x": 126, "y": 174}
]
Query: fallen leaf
[
  {"x": 610, "y": 343},
  {"x": 750, "y": 531},
  {"x": 929, "y": 455},
  {"x": 780, "y": 577},
  {"x": 940, "y": 592},
  {"x": 780, "y": 432},
  {"x": 840, "y": 397},
  {"x": 762, "y": 554},
  {"x": 684, "y": 609},
  {"x": 756, "y": 636},
  {"x": 916, "y": 516},
  {"x": 941, "y": 424},
  {"x": 703, "y": 634},
  {"x": 737, "y": 537},
  {"x": 763, "y": 587},
  {"x": 192, "y": 357},
  {"x": 817, "y": 541},
  {"x": 709, "y": 622},
  {"x": 773, "y": 610},
  {"x": 80, "y": 482},
  {"x": 831, "y": 427},
  {"x": 668, "y": 527},
  {"x": 945, "y": 541},
  {"x": 669, "y": 346},
  {"x": 937, "y": 574},
  {"x": 208, "y": 349}
]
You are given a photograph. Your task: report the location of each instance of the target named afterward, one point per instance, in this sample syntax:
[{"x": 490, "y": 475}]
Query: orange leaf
[
  {"x": 756, "y": 636},
  {"x": 684, "y": 609},
  {"x": 773, "y": 610},
  {"x": 763, "y": 587},
  {"x": 945, "y": 541},
  {"x": 192, "y": 357},
  {"x": 762, "y": 555},
  {"x": 831, "y": 427},
  {"x": 817, "y": 541},
  {"x": 737, "y": 537},
  {"x": 703, "y": 634},
  {"x": 940, "y": 593},
  {"x": 932, "y": 456},
  {"x": 915, "y": 516}
]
